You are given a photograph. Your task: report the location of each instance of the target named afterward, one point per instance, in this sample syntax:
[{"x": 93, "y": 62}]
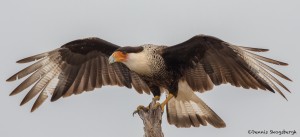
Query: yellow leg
[
  {"x": 156, "y": 98},
  {"x": 164, "y": 103}
]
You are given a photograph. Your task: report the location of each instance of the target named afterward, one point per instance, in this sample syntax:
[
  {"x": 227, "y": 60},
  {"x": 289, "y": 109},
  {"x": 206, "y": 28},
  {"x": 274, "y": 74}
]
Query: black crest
[{"x": 131, "y": 49}]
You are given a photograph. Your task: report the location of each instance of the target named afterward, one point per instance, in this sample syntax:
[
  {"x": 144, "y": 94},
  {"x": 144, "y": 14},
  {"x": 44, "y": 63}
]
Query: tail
[{"x": 187, "y": 110}]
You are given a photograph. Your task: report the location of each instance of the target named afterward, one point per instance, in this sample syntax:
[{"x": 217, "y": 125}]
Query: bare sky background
[{"x": 33, "y": 26}]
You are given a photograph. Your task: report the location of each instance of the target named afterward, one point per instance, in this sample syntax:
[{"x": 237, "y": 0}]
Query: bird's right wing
[
  {"x": 205, "y": 61},
  {"x": 77, "y": 66}
]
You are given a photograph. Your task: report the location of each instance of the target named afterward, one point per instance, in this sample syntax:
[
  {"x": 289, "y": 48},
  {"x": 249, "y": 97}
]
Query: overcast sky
[{"x": 32, "y": 26}]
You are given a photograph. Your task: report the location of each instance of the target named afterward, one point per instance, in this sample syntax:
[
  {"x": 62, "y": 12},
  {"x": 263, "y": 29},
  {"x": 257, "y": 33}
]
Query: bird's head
[
  {"x": 118, "y": 56},
  {"x": 135, "y": 58},
  {"x": 122, "y": 55}
]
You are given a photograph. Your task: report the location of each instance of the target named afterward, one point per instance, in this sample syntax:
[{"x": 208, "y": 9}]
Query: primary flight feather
[{"x": 194, "y": 65}]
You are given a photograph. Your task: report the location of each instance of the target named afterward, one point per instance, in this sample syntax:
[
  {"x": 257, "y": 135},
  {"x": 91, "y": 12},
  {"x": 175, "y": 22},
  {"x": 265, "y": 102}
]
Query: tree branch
[{"x": 152, "y": 120}]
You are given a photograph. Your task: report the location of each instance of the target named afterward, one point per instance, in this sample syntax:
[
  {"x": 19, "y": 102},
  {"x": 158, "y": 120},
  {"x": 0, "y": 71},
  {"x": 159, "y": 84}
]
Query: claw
[
  {"x": 155, "y": 99},
  {"x": 134, "y": 112},
  {"x": 139, "y": 108}
]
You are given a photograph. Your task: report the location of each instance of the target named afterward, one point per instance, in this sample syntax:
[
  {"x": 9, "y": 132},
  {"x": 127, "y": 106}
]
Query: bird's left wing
[
  {"x": 204, "y": 61},
  {"x": 77, "y": 66}
]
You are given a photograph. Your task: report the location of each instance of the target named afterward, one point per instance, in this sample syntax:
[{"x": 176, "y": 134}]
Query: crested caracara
[{"x": 194, "y": 65}]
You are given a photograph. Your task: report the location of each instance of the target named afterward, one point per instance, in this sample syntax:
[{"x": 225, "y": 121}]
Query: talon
[
  {"x": 156, "y": 98},
  {"x": 139, "y": 108},
  {"x": 134, "y": 112}
]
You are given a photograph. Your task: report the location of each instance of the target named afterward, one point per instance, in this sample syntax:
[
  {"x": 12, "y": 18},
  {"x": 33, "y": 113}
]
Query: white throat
[{"x": 139, "y": 63}]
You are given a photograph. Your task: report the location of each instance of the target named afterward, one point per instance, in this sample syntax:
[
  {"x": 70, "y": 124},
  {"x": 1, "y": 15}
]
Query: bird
[{"x": 195, "y": 65}]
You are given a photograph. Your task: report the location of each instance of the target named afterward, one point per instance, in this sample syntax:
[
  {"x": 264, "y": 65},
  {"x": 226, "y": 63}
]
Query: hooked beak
[{"x": 111, "y": 59}]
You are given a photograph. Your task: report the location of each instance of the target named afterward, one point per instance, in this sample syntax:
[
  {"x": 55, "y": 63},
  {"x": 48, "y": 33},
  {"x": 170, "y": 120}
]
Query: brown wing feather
[
  {"x": 77, "y": 66},
  {"x": 205, "y": 59}
]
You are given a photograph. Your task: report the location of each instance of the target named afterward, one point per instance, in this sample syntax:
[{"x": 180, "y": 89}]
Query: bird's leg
[
  {"x": 164, "y": 103},
  {"x": 156, "y": 98}
]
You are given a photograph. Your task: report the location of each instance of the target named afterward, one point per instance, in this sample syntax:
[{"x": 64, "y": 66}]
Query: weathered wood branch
[{"x": 152, "y": 120}]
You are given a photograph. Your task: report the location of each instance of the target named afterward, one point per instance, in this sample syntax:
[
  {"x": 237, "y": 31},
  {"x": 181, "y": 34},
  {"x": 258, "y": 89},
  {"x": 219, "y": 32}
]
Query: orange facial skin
[{"x": 119, "y": 56}]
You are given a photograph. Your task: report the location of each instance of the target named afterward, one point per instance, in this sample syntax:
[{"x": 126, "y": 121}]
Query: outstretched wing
[
  {"x": 77, "y": 66},
  {"x": 204, "y": 61}
]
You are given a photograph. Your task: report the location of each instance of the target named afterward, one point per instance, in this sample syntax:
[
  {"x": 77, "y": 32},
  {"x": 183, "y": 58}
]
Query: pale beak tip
[{"x": 111, "y": 60}]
